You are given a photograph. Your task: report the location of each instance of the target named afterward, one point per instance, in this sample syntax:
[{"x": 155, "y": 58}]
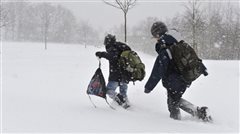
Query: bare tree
[
  {"x": 12, "y": 17},
  {"x": 83, "y": 30},
  {"x": 46, "y": 14},
  {"x": 3, "y": 16},
  {"x": 64, "y": 26},
  {"x": 85, "y": 33},
  {"x": 123, "y": 5},
  {"x": 194, "y": 18},
  {"x": 3, "y": 19},
  {"x": 141, "y": 37},
  {"x": 237, "y": 33},
  {"x": 213, "y": 36}
]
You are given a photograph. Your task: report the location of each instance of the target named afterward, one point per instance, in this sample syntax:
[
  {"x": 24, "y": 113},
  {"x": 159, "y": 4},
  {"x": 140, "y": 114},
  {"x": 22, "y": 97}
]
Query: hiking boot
[
  {"x": 119, "y": 99},
  {"x": 203, "y": 113},
  {"x": 173, "y": 108},
  {"x": 126, "y": 104},
  {"x": 175, "y": 114}
]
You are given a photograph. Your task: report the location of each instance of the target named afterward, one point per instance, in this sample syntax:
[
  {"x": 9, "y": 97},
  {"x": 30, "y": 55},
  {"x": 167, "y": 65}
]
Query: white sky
[
  {"x": 99, "y": 14},
  {"x": 102, "y": 15}
]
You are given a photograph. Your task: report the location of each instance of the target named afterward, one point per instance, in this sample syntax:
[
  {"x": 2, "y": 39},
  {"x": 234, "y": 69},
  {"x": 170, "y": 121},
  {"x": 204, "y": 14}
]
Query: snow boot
[
  {"x": 203, "y": 114},
  {"x": 119, "y": 99},
  {"x": 126, "y": 104},
  {"x": 175, "y": 114},
  {"x": 188, "y": 107},
  {"x": 173, "y": 108},
  {"x": 199, "y": 112}
]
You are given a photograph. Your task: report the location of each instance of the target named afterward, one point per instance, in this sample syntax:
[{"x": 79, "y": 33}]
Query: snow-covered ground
[{"x": 45, "y": 92}]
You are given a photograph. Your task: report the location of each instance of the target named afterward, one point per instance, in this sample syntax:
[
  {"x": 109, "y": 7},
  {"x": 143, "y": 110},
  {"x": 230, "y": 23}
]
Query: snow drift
[{"x": 45, "y": 92}]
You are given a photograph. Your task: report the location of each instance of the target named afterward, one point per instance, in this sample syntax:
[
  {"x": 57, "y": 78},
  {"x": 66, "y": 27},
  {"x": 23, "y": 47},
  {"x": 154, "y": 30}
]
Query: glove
[
  {"x": 98, "y": 54},
  {"x": 147, "y": 91},
  {"x": 205, "y": 73},
  {"x": 204, "y": 70}
]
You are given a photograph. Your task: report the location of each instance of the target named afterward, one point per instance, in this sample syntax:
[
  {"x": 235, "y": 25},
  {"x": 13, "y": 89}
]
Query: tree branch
[
  {"x": 108, "y": 3},
  {"x": 132, "y": 3},
  {"x": 123, "y": 5}
]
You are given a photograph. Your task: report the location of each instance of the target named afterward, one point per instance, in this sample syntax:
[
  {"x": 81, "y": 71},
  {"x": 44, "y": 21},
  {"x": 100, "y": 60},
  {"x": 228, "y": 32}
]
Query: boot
[
  {"x": 119, "y": 99},
  {"x": 126, "y": 104},
  {"x": 199, "y": 112},
  {"x": 188, "y": 107},
  {"x": 203, "y": 113},
  {"x": 173, "y": 107},
  {"x": 175, "y": 114}
]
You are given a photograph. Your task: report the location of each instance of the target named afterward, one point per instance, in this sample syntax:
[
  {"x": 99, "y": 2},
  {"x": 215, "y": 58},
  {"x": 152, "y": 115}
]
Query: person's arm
[
  {"x": 106, "y": 55},
  {"x": 159, "y": 69}
]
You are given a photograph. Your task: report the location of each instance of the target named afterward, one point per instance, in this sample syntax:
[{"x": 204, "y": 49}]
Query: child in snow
[
  {"x": 171, "y": 79},
  {"x": 117, "y": 78}
]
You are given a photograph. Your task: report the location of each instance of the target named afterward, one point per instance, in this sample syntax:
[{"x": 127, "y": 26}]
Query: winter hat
[
  {"x": 109, "y": 39},
  {"x": 158, "y": 29}
]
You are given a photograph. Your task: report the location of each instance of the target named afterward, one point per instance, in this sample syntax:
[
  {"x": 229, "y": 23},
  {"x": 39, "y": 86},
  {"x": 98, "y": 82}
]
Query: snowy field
[{"x": 45, "y": 92}]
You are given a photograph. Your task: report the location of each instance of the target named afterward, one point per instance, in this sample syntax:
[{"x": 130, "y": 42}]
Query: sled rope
[
  {"x": 99, "y": 64},
  {"x": 109, "y": 104},
  {"x": 92, "y": 101},
  {"x": 105, "y": 100}
]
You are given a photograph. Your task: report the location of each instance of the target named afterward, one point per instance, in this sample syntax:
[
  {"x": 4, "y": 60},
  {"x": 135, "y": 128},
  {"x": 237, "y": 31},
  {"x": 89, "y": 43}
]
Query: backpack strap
[
  {"x": 99, "y": 64},
  {"x": 105, "y": 100},
  {"x": 169, "y": 53},
  {"x": 109, "y": 104},
  {"x": 92, "y": 101}
]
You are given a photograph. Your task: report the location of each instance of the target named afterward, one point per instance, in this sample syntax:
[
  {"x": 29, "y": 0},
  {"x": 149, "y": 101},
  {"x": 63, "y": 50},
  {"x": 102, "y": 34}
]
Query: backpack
[
  {"x": 97, "y": 85},
  {"x": 186, "y": 61},
  {"x": 132, "y": 65}
]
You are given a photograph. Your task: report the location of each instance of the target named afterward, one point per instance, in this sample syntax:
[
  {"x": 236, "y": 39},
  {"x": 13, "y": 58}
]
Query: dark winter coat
[
  {"x": 112, "y": 54},
  {"x": 164, "y": 69}
]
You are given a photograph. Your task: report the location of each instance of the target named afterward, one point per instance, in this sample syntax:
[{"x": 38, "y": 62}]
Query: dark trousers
[
  {"x": 173, "y": 101},
  {"x": 176, "y": 102}
]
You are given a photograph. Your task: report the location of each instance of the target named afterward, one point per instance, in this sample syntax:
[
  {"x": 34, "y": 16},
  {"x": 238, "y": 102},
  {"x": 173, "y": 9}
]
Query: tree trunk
[
  {"x": 45, "y": 42},
  {"x": 46, "y": 35},
  {"x": 194, "y": 38},
  {"x": 125, "y": 27},
  {"x": 194, "y": 29}
]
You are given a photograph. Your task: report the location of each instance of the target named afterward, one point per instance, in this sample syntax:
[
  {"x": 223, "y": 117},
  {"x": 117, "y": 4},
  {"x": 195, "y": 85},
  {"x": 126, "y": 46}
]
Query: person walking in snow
[
  {"x": 171, "y": 79},
  {"x": 117, "y": 77}
]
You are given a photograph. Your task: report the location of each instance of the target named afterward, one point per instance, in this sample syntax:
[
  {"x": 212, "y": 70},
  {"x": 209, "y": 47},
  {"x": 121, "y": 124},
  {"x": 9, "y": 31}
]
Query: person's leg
[
  {"x": 175, "y": 88},
  {"x": 199, "y": 112},
  {"x": 123, "y": 92},
  {"x": 173, "y": 105},
  {"x": 111, "y": 86},
  {"x": 188, "y": 107},
  {"x": 123, "y": 89},
  {"x": 111, "y": 89}
]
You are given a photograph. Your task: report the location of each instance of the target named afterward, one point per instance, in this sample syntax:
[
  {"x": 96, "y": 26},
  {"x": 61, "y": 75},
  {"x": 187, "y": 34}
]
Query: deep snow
[{"x": 45, "y": 91}]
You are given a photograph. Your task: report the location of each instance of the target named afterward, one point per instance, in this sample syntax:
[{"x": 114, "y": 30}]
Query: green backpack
[
  {"x": 132, "y": 65},
  {"x": 186, "y": 61}
]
